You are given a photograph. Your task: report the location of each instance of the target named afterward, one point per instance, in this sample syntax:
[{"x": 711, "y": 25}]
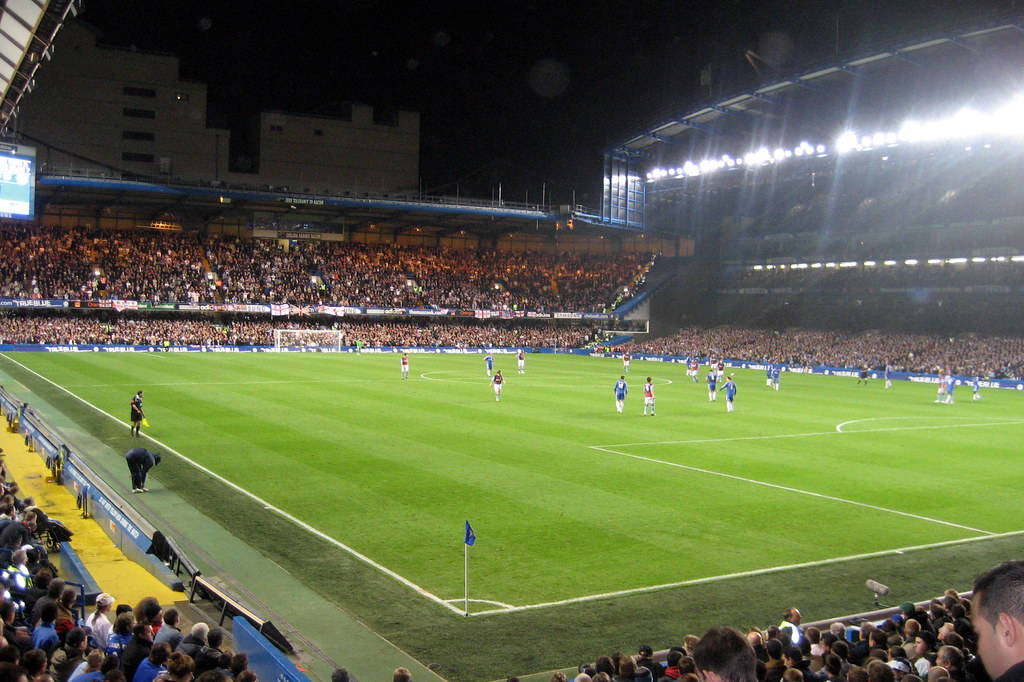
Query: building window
[
  {"x": 385, "y": 116},
  {"x": 139, "y": 92},
  {"x": 135, "y": 156},
  {"x": 274, "y": 128},
  {"x": 137, "y": 135},
  {"x": 139, "y": 113},
  {"x": 181, "y": 96}
]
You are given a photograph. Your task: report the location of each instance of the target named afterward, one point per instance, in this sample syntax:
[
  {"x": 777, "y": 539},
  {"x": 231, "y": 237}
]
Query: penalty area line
[
  {"x": 786, "y": 488},
  {"x": 252, "y": 496},
  {"x": 748, "y": 574}
]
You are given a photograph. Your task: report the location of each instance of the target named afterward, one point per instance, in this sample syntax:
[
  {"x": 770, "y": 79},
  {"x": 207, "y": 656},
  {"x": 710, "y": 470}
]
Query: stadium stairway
[{"x": 110, "y": 568}]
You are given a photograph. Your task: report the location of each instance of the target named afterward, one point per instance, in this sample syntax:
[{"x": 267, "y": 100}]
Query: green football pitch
[{"x": 571, "y": 502}]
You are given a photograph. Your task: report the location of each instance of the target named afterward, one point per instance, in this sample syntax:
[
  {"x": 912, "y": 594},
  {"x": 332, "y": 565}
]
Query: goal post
[{"x": 309, "y": 338}]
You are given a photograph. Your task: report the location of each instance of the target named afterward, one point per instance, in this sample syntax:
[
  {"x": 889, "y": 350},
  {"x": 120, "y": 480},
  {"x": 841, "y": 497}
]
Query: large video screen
[{"x": 17, "y": 181}]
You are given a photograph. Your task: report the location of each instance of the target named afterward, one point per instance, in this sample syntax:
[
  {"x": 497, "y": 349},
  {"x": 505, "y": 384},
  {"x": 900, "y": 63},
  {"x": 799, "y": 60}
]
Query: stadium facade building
[{"x": 113, "y": 110}]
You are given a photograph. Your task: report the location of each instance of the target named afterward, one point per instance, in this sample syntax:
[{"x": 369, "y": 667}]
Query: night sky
[{"x": 526, "y": 94}]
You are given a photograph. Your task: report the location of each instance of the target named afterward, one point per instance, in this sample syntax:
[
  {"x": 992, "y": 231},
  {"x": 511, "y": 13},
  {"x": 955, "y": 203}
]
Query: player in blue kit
[
  {"x": 776, "y": 373},
  {"x": 712, "y": 380},
  {"x": 621, "y": 390},
  {"x": 888, "y": 376},
  {"x": 730, "y": 393},
  {"x": 768, "y": 375},
  {"x": 976, "y": 388},
  {"x": 950, "y": 385},
  {"x": 489, "y": 362}
]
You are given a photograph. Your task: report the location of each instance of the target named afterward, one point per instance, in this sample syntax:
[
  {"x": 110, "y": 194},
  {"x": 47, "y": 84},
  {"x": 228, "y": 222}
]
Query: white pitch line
[
  {"x": 462, "y": 600},
  {"x": 266, "y": 505},
  {"x": 839, "y": 427},
  {"x": 811, "y": 434},
  {"x": 799, "y": 491},
  {"x": 747, "y": 574}
]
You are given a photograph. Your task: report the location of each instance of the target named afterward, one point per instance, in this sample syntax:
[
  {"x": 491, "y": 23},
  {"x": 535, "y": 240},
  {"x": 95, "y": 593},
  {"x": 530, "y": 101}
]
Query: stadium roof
[
  {"x": 193, "y": 207},
  {"x": 27, "y": 30},
  {"x": 830, "y": 94}
]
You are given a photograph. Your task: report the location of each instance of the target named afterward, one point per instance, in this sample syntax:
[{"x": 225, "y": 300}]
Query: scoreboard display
[{"x": 17, "y": 181}]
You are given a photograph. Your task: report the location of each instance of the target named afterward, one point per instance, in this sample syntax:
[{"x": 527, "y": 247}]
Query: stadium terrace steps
[{"x": 109, "y": 567}]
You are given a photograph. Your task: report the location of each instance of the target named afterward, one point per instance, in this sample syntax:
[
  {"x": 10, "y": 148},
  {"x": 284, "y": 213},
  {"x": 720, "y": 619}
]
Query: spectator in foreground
[
  {"x": 401, "y": 675},
  {"x": 998, "y": 616},
  {"x": 153, "y": 665},
  {"x": 723, "y": 655},
  {"x": 179, "y": 667}
]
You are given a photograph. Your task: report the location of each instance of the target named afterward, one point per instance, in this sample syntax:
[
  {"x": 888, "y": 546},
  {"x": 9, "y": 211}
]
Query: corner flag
[{"x": 470, "y": 535}]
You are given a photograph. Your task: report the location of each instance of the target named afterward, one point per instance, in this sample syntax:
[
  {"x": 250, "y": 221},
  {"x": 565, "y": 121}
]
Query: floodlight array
[
  {"x": 967, "y": 123},
  {"x": 911, "y": 262}
]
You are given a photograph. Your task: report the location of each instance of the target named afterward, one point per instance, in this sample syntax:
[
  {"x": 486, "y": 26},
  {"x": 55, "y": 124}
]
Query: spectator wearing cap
[
  {"x": 98, "y": 621},
  {"x": 645, "y": 658},
  {"x": 340, "y": 675},
  {"x": 65, "y": 659},
  {"x": 923, "y": 645},
  {"x": 169, "y": 632}
]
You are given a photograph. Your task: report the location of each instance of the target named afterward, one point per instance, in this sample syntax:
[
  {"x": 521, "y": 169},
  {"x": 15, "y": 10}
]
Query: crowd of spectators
[
  {"x": 990, "y": 276},
  {"x": 49, "y": 636},
  {"x": 931, "y": 644},
  {"x": 965, "y": 354},
  {"x": 179, "y": 267},
  {"x": 153, "y": 330}
]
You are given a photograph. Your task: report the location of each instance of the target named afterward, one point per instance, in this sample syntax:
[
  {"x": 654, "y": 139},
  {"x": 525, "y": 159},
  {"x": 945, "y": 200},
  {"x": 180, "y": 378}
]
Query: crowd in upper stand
[
  {"x": 922, "y": 353},
  {"x": 169, "y": 267}
]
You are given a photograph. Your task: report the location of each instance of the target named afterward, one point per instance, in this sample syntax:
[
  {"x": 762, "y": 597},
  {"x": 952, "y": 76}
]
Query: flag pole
[{"x": 465, "y": 551}]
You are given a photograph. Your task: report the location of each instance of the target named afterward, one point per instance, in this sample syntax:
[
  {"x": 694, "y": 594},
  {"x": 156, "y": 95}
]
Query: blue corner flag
[{"x": 470, "y": 535}]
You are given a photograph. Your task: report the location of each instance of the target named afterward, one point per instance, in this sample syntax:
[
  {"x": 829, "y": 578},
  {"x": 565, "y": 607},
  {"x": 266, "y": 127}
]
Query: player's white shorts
[
  {"x": 768, "y": 381},
  {"x": 522, "y": 364},
  {"x": 497, "y": 389},
  {"x": 691, "y": 372},
  {"x": 625, "y": 363},
  {"x": 648, "y": 400}
]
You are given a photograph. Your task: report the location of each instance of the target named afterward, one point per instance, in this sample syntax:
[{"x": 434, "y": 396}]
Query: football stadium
[{"x": 751, "y": 416}]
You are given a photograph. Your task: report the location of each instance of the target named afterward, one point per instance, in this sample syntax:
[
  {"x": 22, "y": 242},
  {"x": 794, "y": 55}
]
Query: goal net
[{"x": 309, "y": 338}]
